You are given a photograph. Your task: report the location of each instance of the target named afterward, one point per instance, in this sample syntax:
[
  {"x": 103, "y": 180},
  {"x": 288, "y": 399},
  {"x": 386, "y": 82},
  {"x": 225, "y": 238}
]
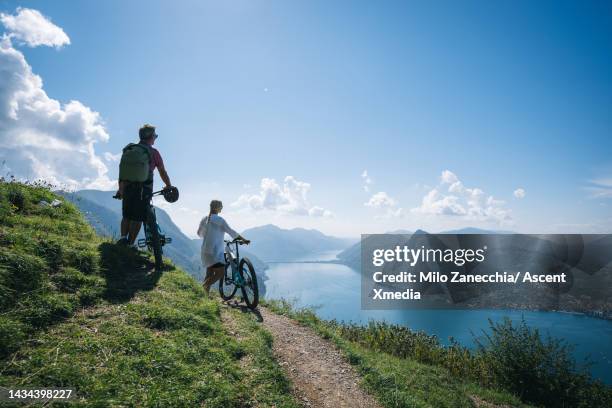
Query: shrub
[
  {"x": 17, "y": 199},
  {"x": 539, "y": 370}
]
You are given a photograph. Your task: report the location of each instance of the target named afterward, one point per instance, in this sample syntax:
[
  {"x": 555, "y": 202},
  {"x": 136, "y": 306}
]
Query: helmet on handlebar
[{"x": 171, "y": 194}]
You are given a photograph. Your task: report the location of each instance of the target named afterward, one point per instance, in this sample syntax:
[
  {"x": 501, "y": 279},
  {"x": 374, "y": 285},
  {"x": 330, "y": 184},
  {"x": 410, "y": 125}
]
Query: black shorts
[
  {"x": 217, "y": 265},
  {"x": 136, "y": 197}
]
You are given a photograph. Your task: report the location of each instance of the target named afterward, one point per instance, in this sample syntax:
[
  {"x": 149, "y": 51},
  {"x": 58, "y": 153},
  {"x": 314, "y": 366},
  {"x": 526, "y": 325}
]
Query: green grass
[
  {"x": 399, "y": 382},
  {"x": 77, "y": 311},
  {"x": 49, "y": 262},
  {"x": 261, "y": 372},
  {"x": 166, "y": 347}
]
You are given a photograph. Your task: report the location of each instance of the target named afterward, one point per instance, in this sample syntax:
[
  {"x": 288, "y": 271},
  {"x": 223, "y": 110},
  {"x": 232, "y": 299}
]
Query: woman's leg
[{"x": 213, "y": 274}]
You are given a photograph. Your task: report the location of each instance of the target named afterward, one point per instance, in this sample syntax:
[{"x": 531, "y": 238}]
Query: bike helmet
[{"x": 171, "y": 194}]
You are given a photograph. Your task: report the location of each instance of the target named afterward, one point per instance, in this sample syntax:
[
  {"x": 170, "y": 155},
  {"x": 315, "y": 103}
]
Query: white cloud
[
  {"x": 30, "y": 27},
  {"x": 452, "y": 198},
  {"x": 388, "y": 205},
  {"x": 317, "y": 211},
  {"x": 448, "y": 177},
  {"x": 366, "y": 181},
  {"x": 519, "y": 193},
  {"x": 108, "y": 156},
  {"x": 288, "y": 198},
  {"x": 41, "y": 138},
  {"x": 381, "y": 200},
  {"x": 600, "y": 188}
]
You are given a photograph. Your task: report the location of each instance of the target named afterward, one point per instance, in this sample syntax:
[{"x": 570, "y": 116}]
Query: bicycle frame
[
  {"x": 152, "y": 219},
  {"x": 234, "y": 262},
  {"x": 243, "y": 276}
]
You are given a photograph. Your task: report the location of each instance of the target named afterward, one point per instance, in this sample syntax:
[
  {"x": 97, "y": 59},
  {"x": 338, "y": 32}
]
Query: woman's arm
[
  {"x": 233, "y": 233},
  {"x": 228, "y": 229}
]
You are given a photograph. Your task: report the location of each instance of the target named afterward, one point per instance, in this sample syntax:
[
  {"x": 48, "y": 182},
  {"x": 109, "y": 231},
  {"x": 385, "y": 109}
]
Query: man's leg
[
  {"x": 133, "y": 229},
  {"x": 213, "y": 274},
  {"x": 125, "y": 227}
]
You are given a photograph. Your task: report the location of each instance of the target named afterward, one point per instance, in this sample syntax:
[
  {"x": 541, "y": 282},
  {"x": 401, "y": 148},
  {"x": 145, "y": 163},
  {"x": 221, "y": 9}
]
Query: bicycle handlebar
[
  {"x": 235, "y": 241},
  {"x": 160, "y": 192}
]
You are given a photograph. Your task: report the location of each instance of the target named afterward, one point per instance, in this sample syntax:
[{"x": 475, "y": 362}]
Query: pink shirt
[{"x": 156, "y": 159}]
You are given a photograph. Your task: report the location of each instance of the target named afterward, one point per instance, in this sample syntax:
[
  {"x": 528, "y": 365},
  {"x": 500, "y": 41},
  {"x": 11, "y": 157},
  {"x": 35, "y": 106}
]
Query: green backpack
[{"x": 135, "y": 163}]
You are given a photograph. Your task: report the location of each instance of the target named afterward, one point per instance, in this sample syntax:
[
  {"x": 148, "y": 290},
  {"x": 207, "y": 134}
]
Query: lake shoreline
[{"x": 598, "y": 314}]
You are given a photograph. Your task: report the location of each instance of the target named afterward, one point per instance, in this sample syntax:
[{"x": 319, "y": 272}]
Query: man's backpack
[{"x": 135, "y": 163}]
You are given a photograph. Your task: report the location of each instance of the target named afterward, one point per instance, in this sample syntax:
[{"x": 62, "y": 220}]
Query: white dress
[{"x": 213, "y": 233}]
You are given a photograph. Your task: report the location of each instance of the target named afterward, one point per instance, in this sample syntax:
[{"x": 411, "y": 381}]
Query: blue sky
[{"x": 504, "y": 95}]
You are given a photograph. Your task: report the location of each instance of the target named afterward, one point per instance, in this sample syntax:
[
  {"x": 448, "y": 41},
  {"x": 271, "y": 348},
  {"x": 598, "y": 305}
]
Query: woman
[{"x": 212, "y": 230}]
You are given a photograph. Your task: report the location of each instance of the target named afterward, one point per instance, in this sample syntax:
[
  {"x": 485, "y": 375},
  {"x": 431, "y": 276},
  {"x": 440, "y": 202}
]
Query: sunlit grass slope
[{"x": 77, "y": 311}]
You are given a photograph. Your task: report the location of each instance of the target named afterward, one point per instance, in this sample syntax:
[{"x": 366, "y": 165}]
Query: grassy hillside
[
  {"x": 49, "y": 263},
  {"x": 78, "y": 311}
]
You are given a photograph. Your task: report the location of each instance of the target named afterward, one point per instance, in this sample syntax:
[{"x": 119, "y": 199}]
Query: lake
[{"x": 334, "y": 291}]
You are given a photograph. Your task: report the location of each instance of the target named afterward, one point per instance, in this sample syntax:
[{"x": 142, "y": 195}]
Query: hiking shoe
[{"x": 123, "y": 242}]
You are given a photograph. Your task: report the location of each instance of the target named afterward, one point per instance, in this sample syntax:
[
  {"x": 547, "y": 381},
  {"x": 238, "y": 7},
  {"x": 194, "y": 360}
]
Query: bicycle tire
[
  {"x": 231, "y": 288},
  {"x": 250, "y": 281}
]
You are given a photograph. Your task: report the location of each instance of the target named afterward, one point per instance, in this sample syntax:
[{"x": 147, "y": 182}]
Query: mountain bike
[
  {"x": 239, "y": 273},
  {"x": 154, "y": 239}
]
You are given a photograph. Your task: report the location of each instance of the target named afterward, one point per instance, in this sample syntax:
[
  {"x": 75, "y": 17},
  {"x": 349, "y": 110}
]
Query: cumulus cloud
[
  {"x": 388, "y": 205},
  {"x": 40, "y": 137},
  {"x": 109, "y": 157},
  {"x": 448, "y": 177},
  {"x": 288, "y": 198},
  {"x": 452, "y": 198},
  {"x": 367, "y": 181},
  {"x": 519, "y": 193},
  {"x": 33, "y": 29}
]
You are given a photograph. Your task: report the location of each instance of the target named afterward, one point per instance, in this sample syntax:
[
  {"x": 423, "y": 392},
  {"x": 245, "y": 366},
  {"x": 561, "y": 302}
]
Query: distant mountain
[
  {"x": 472, "y": 230},
  {"x": 400, "y": 231},
  {"x": 272, "y": 243}
]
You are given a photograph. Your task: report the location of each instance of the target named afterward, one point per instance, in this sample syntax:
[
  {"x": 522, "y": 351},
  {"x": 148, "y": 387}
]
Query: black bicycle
[
  {"x": 239, "y": 273},
  {"x": 154, "y": 238}
]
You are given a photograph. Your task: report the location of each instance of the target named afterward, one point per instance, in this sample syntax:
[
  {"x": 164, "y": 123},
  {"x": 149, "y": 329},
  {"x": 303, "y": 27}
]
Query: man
[{"x": 136, "y": 195}]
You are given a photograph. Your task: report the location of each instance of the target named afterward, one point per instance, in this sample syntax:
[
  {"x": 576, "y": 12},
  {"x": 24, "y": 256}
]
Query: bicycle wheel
[
  {"x": 250, "y": 290},
  {"x": 227, "y": 288},
  {"x": 156, "y": 246}
]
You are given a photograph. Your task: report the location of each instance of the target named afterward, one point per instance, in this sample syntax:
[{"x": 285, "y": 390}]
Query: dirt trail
[{"x": 319, "y": 372}]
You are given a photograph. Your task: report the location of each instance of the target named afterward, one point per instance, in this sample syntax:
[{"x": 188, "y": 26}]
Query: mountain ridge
[{"x": 273, "y": 243}]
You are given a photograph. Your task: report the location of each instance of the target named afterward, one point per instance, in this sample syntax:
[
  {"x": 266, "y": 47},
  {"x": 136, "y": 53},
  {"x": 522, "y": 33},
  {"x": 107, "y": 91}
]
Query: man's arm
[{"x": 164, "y": 175}]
